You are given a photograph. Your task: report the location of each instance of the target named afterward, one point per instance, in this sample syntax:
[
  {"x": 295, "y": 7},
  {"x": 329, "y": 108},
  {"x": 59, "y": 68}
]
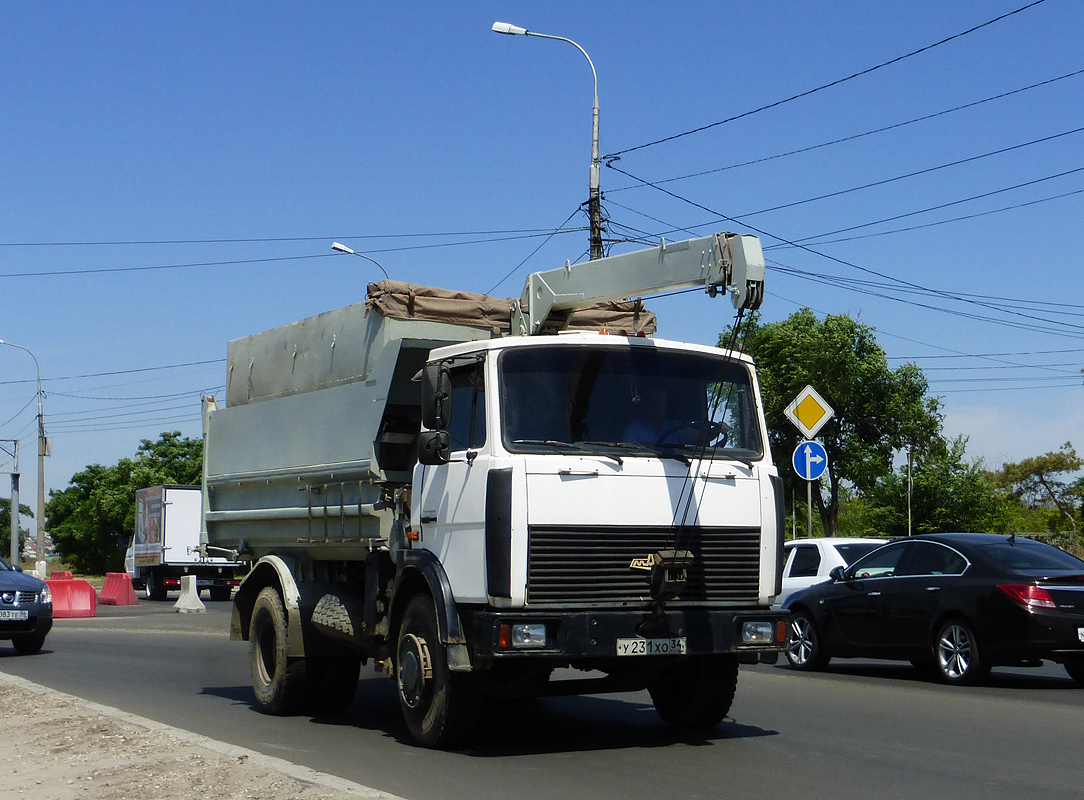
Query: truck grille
[{"x": 590, "y": 566}]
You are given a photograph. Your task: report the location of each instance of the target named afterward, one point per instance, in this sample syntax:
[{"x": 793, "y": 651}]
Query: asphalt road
[{"x": 860, "y": 730}]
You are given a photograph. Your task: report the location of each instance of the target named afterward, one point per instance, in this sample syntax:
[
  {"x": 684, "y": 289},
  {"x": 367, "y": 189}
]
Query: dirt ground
[{"x": 59, "y": 747}]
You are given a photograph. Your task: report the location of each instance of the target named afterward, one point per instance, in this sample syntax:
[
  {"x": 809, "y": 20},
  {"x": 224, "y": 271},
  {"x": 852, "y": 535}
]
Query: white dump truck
[
  {"x": 166, "y": 546},
  {"x": 482, "y": 496}
]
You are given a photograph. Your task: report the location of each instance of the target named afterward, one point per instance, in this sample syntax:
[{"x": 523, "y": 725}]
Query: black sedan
[
  {"x": 26, "y": 609},
  {"x": 957, "y": 602}
]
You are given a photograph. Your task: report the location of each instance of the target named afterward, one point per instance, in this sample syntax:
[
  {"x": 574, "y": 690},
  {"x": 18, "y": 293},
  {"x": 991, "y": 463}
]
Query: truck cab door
[{"x": 453, "y": 495}]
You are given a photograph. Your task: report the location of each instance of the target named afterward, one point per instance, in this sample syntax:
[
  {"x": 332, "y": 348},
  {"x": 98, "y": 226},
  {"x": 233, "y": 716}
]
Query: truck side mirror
[
  {"x": 434, "y": 448},
  {"x": 436, "y": 396}
]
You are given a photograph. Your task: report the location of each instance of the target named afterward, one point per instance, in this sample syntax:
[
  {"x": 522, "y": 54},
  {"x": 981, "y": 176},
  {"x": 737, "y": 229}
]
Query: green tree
[
  {"x": 878, "y": 411},
  {"x": 1045, "y": 483},
  {"x": 92, "y": 520},
  {"x": 5, "y": 526},
  {"x": 948, "y": 493}
]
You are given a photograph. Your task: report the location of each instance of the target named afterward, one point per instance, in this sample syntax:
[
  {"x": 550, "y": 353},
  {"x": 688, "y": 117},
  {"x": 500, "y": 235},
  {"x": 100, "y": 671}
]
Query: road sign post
[{"x": 809, "y": 460}]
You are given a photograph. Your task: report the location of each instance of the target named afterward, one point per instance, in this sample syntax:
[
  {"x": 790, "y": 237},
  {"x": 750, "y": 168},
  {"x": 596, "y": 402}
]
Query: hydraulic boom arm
[{"x": 715, "y": 262}]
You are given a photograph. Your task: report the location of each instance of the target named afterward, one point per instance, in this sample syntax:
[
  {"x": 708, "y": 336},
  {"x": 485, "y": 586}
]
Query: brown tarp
[{"x": 400, "y": 300}]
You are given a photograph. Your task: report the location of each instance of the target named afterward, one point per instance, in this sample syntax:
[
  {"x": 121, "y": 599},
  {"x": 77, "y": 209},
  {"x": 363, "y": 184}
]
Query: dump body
[{"x": 166, "y": 545}]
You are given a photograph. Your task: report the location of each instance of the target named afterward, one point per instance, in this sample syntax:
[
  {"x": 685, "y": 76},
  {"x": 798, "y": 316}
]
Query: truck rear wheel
[
  {"x": 697, "y": 692},
  {"x": 277, "y": 680},
  {"x": 154, "y": 586},
  {"x": 440, "y": 707}
]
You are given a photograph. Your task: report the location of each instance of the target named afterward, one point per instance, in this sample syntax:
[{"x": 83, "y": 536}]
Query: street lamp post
[
  {"x": 42, "y": 448},
  {"x": 594, "y": 198},
  {"x": 342, "y": 248}
]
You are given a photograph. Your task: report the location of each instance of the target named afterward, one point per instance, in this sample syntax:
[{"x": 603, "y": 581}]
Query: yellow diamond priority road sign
[{"x": 809, "y": 412}]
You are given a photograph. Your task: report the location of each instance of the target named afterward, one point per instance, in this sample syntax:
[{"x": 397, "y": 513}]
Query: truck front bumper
[{"x": 571, "y": 635}]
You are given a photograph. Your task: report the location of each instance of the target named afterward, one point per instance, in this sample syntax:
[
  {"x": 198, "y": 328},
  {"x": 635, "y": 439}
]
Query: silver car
[{"x": 808, "y": 561}]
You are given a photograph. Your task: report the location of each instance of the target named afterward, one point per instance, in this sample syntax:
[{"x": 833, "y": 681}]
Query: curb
[{"x": 280, "y": 765}]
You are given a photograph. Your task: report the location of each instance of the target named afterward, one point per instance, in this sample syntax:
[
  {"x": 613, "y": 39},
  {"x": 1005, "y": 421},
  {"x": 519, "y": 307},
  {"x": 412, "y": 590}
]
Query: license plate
[
  {"x": 9, "y": 616},
  {"x": 651, "y": 647}
]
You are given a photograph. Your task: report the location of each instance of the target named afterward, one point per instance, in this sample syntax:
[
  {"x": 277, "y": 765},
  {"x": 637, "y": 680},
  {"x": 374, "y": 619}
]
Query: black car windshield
[
  {"x": 638, "y": 400},
  {"x": 1024, "y": 554}
]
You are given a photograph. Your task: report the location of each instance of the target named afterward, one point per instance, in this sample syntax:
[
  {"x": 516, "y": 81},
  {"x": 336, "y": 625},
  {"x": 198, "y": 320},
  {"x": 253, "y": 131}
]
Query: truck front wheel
[
  {"x": 439, "y": 707},
  {"x": 696, "y": 692},
  {"x": 277, "y": 680}
]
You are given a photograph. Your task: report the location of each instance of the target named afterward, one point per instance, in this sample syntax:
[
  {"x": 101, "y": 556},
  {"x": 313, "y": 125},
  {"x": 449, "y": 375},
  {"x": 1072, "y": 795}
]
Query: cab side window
[
  {"x": 807, "y": 559},
  {"x": 467, "y": 426}
]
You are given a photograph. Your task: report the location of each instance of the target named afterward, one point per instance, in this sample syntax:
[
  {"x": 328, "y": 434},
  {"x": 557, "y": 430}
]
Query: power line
[
  {"x": 940, "y": 206},
  {"x": 122, "y": 371},
  {"x": 855, "y": 136},
  {"x": 265, "y": 240},
  {"x": 915, "y": 174},
  {"x": 869, "y": 271},
  {"x": 829, "y": 85}
]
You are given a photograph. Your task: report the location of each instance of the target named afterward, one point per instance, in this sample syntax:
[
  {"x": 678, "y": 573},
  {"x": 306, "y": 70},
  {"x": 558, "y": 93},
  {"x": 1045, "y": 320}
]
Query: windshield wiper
[{"x": 591, "y": 448}]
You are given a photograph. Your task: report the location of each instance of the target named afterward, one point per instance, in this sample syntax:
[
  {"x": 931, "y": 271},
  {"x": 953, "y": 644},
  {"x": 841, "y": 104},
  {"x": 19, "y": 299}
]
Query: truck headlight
[
  {"x": 523, "y": 636},
  {"x": 757, "y": 633}
]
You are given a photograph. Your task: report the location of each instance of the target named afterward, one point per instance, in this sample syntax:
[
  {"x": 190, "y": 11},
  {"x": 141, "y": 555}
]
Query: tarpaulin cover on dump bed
[{"x": 400, "y": 300}]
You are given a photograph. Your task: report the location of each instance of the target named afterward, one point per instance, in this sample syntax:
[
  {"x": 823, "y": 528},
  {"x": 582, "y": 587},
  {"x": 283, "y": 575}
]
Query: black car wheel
[
  {"x": 958, "y": 657},
  {"x": 28, "y": 645},
  {"x": 804, "y": 649}
]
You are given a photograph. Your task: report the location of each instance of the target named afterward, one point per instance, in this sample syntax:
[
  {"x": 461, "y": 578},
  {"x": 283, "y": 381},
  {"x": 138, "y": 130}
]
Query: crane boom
[{"x": 715, "y": 262}]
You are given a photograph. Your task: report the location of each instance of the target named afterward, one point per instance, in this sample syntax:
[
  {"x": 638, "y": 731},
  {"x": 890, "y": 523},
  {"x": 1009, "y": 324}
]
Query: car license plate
[
  {"x": 651, "y": 647},
  {"x": 8, "y": 615}
]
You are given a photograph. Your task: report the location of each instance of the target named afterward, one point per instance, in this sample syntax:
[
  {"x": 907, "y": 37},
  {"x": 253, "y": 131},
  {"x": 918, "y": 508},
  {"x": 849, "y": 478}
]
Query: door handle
[
  {"x": 874, "y": 594},
  {"x": 933, "y": 588}
]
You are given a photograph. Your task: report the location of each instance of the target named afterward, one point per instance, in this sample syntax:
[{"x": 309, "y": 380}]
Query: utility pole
[
  {"x": 43, "y": 451},
  {"x": 14, "y": 453}
]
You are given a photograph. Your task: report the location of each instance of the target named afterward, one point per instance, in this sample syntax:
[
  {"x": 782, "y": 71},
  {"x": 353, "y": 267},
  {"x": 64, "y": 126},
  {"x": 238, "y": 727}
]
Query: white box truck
[
  {"x": 473, "y": 496},
  {"x": 166, "y": 546}
]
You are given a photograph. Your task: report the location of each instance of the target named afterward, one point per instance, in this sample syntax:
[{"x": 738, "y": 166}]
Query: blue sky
[{"x": 137, "y": 137}]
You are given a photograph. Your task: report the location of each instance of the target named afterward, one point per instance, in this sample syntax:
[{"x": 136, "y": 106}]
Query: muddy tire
[
  {"x": 278, "y": 681},
  {"x": 440, "y": 707},
  {"x": 696, "y": 693}
]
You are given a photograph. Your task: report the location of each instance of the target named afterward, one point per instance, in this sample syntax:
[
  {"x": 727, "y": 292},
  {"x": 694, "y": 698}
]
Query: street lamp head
[
  {"x": 342, "y": 248},
  {"x": 509, "y": 28}
]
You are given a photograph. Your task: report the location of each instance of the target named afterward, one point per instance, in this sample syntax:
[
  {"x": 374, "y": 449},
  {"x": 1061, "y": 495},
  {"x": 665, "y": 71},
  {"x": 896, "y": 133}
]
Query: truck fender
[
  {"x": 418, "y": 570},
  {"x": 269, "y": 571}
]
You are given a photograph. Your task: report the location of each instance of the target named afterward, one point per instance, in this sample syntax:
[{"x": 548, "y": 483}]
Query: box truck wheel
[
  {"x": 155, "y": 587},
  {"x": 277, "y": 680},
  {"x": 439, "y": 706},
  {"x": 696, "y": 692}
]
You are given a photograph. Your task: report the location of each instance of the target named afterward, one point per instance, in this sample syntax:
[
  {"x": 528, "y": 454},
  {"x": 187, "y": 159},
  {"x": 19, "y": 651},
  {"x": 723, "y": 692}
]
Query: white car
[{"x": 808, "y": 561}]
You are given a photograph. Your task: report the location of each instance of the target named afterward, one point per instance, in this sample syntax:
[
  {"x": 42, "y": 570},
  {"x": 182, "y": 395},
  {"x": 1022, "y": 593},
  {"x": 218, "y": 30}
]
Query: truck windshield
[{"x": 639, "y": 400}]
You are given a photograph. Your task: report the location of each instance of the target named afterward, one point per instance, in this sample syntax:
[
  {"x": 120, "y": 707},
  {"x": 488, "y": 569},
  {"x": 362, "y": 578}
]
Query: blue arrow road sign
[{"x": 809, "y": 460}]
